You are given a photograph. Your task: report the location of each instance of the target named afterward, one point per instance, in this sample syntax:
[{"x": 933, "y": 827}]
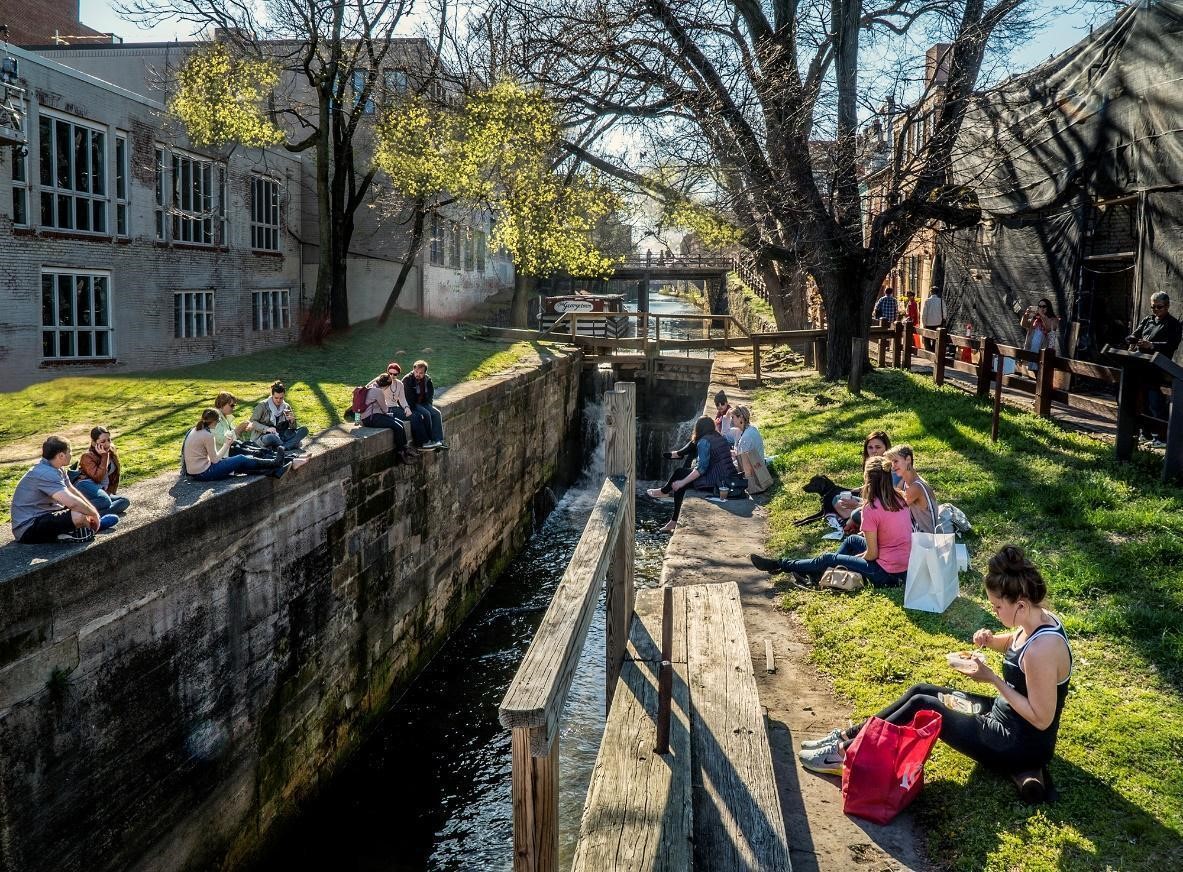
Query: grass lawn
[
  {"x": 1109, "y": 540},
  {"x": 148, "y": 413}
]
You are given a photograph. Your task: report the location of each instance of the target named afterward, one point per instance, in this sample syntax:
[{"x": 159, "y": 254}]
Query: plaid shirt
[{"x": 886, "y": 308}]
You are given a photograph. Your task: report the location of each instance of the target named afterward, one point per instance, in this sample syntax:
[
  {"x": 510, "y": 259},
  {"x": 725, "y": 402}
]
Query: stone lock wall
[{"x": 169, "y": 692}]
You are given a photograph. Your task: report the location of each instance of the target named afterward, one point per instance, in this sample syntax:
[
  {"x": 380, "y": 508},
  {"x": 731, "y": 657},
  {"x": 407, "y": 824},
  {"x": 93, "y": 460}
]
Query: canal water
[{"x": 430, "y": 789}]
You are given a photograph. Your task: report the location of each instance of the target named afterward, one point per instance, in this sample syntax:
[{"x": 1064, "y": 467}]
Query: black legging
[
  {"x": 984, "y": 739},
  {"x": 680, "y": 494},
  {"x": 392, "y": 423}
]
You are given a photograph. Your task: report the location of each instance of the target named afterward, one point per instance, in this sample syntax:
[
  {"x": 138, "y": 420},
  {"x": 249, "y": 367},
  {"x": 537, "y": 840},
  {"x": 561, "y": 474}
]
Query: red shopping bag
[{"x": 884, "y": 768}]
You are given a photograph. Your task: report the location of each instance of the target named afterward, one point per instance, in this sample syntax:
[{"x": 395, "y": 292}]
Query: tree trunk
[
  {"x": 523, "y": 290},
  {"x": 847, "y": 316},
  {"x": 319, "y": 323},
  {"x": 420, "y": 214}
]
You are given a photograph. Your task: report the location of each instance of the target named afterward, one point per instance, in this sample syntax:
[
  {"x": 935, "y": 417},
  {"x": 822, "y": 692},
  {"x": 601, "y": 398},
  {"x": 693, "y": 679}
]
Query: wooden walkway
[{"x": 712, "y": 802}]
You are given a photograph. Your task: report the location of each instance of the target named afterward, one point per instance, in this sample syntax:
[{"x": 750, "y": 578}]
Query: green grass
[
  {"x": 1109, "y": 540},
  {"x": 148, "y": 413}
]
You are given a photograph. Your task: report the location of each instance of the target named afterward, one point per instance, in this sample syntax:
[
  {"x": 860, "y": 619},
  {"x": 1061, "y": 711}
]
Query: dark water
[{"x": 431, "y": 788}]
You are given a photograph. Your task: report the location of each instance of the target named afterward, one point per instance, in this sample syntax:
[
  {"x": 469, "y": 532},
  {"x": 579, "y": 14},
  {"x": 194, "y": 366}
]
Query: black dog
[{"x": 827, "y": 491}]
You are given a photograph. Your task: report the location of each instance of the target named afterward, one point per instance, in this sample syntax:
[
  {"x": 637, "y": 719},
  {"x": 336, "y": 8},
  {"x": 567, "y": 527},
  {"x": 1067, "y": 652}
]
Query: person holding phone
[
  {"x": 273, "y": 423},
  {"x": 1042, "y": 328},
  {"x": 1013, "y": 732}
]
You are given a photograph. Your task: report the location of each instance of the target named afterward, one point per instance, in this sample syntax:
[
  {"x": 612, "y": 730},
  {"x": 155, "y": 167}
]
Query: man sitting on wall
[
  {"x": 427, "y": 424},
  {"x": 273, "y": 423},
  {"x": 47, "y": 508}
]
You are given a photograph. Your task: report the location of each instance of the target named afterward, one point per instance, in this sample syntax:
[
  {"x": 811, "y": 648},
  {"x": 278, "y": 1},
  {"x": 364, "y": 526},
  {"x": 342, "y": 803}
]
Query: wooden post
[
  {"x": 938, "y": 364},
  {"x": 819, "y": 354},
  {"x": 1128, "y": 398},
  {"x": 895, "y": 346},
  {"x": 909, "y": 334},
  {"x": 574, "y": 316},
  {"x": 858, "y": 354},
  {"x": 620, "y": 451},
  {"x": 1172, "y": 464},
  {"x": 756, "y": 360},
  {"x": 997, "y": 403},
  {"x": 1043, "y": 383},
  {"x": 535, "y": 805},
  {"x": 665, "y": 678},
  {"x": 989, "y": 348}
]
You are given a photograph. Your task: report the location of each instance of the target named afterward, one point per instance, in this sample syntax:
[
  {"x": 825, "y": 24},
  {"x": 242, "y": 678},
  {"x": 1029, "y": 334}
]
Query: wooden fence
[{"x": 535, "y": 699}]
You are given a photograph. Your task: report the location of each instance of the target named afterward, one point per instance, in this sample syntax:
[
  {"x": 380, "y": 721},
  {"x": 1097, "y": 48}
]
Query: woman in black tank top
[{"x": 1015, "y": 731}]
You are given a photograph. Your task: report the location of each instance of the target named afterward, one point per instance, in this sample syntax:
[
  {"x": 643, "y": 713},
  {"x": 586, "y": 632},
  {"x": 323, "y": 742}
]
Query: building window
[
  {"x": 469, "y": 250},
  {"x": 481, "y": 246},
  {"x": 264, "y": 214},
  {"x": 455, "y": 244},
  {"x": 395, "y": 81},
  {"x": 73, "y": 161},
  {"x": 20, "y": 186},
  {"x": 270, "y": 310},
  {"x": 159, "y": 158},
  {"x": 913, "y": 270},
  {"x": 198, "y": 205},
  {"x": 358, "y": 83},
  {"x": 75, "y": 315},
  {"x": 437, "y": 241},
  {"x": 193, "y": 314},
  {"x": 121, "y": 186}
]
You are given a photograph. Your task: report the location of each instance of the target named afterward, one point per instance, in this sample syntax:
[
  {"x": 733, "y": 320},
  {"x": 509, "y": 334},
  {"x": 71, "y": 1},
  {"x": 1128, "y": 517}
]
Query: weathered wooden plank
[
  {"x": 620, "y": 448},
  {"x": 639, "y": 804},
  {"x": 535, "y": 697},
  {"x": 644, "y": 640},
  {"x": 535, "y": 806},
  {"x": 737, "y": 814}
]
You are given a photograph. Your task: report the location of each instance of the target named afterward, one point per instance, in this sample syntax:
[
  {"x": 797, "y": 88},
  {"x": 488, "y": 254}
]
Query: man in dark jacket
[
  {"x": 1159, "y": 332},
  {"x": 427, "y": 424}
]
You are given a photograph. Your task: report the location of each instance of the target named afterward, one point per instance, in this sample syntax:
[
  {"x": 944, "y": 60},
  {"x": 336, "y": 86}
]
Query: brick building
[
  {"x": 37, "y": 22},
  {"x": 122, "y": 248}
]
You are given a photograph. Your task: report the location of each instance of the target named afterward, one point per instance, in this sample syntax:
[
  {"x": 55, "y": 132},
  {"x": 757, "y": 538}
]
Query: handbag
[
  {"x": 761, "y": 478},
  {"x": 932, "y": 572},
  {"x": 840, "y": 579},
  {"x": 884, "y": 767}
]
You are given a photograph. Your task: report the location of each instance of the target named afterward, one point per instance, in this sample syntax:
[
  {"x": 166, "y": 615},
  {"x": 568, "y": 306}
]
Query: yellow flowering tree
[{"x": 219, "y": 99}]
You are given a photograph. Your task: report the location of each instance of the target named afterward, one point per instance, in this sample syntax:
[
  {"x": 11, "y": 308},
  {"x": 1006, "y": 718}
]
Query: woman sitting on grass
[
  {"x": 875, "y": 445},
  {"x": 917, "y": 493},
  {"x": 749, "y": 446},
  {"x": 200, "y": 461},
  {"x": 880, "y": 554},
  {"x": 712, "y": 466},
  {"x": 1014, "y": 732}
]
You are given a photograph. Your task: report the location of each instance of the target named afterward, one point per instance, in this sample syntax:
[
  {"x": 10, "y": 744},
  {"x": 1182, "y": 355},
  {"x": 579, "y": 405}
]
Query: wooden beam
[
  {"x": 535, "y": 806},
  {"x": 620, "y": 451},
  {"x": 1043, "y": 383}
]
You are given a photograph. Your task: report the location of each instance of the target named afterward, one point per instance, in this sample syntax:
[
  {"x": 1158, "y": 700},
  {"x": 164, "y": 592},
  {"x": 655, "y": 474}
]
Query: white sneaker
[{"x": 656, "y": 493}]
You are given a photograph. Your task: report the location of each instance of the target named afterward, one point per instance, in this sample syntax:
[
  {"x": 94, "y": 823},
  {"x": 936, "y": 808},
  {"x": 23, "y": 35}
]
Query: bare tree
[
  {"x": 331, "y": 54},
  {"x": 756, "y": 105}
]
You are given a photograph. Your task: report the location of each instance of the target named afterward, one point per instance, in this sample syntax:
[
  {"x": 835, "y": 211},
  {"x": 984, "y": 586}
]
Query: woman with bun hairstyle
[{"x": 1014, "y": 732}]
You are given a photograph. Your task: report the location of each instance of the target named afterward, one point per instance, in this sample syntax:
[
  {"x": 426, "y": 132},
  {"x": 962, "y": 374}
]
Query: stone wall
[
  {"x": 171, "y": 690},
  {"x": 755, "y": 315}
]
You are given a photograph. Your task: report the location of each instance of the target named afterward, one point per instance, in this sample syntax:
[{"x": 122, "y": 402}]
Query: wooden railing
[
  {"x": 731, "y": 333},
  {"x": 534, "y": 702},
  {"x": 676, "y": 261}
]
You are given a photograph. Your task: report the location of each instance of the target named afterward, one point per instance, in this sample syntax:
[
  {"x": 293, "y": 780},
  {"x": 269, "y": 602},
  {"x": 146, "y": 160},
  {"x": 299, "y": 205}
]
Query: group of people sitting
[
  {"x": 1013, "y": 732},
  {"x": 720, "y": 451},
  {"x": 57, "y": 502}
]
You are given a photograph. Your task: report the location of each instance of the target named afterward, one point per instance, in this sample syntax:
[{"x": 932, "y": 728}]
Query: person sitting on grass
[
  {"x": 273, "y": 423},
  {"x": 377, "y": 414},
  {"x": 200, "y": 461},
  {"x": 47, "y": 508},
  {"x": 875, "y": 445},
  {"x": 427, "y": 424},
  {"x": 917, "y": 493},
  {"x": 98, "y": 477},
  {"x": 879, "y": 554},
  {"x": 1014, "y": 732},
  {"x": 749, "y": 446},
  {"x": 712, "y": 466},
  {"x": 395, "y": 394}
]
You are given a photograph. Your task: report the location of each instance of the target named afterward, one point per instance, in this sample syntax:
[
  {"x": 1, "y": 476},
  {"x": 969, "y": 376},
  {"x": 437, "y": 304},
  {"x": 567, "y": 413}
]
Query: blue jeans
[
  {"x": 289, "y": 441},
  {"x": 846, "y": 557},
  {"x": 239, "y": 463},
  {"x": 427, "y": 424},
  {"x": 100, "y": 499}
]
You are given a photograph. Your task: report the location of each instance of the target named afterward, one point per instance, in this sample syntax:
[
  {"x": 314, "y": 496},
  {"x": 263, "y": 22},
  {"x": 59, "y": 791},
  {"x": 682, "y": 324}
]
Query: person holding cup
[
  {"x": 273, "y": 423},
  {"x": 1013, "y": 732}
]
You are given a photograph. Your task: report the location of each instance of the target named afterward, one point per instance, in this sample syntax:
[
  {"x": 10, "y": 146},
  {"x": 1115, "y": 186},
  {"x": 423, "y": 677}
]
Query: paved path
[{"x": 712, "y": 545}]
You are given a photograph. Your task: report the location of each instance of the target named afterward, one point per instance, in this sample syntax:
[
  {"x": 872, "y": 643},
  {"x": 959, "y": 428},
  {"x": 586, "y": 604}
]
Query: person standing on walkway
[
  {"x": 1042, "y": 328},
  {"x": 933, "y": 315},
  {"x": 1158, "y": 333},
  {"x": 911, "y": 309},
  {"x": 886, "y": 306}
]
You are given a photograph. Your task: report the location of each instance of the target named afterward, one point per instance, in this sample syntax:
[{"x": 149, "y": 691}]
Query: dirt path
[{"x": 712, "y": 545}]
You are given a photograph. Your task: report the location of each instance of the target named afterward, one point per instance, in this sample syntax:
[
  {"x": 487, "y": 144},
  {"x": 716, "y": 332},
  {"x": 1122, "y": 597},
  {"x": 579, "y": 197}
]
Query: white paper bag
[{"x": 932, "y": 572}]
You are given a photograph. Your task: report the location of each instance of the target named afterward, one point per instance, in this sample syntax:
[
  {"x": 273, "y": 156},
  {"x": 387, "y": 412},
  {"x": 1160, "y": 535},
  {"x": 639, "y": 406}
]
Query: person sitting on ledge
[
  {"x": 749, "y": 446},
  {"x": 395, "y": 394},
  {"x": 273, "y": 423},
  {"x": 880, "y": 554},
  {"x": 377, "y": 414},
  {"x": 47, "y": 508},
  {"x": 712, "y": 466},
  {"x": 427, "y": 424},
  {"x": 200, "y": 461},
  {"x": 99, "y": 474},
  {"x": 724, "y": 422},
  {"x": 1014, "y": 732}
]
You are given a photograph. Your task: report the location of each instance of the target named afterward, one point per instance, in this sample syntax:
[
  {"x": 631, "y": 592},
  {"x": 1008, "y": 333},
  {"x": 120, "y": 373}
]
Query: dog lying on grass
[{"x": 827, "y": 492}]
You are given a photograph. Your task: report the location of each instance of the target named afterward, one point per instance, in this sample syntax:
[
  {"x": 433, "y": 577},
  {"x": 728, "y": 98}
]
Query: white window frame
[
  {"x": 271, "y": 309},
  {"x": 196, "y": 202},
  {"x": 193, "y": 314},
  {"x": 122, "y": 186},
  {"x": 69, "y": 197},
  {"x": 76, "y": 330},
  {"x": 357, "y": 84},
  {"x": 265, "y": 213},
  {"x": 468, "y": 257}
]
